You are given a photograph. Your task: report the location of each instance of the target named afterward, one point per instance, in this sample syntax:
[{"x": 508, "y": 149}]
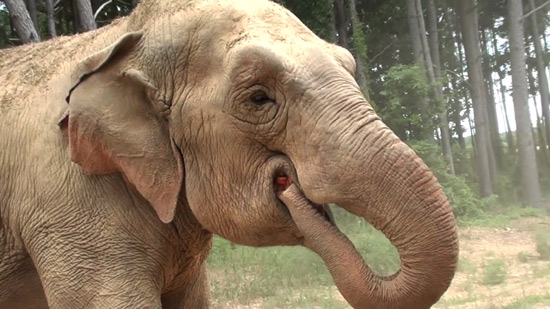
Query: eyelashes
[{"x": 259, "y": 97}]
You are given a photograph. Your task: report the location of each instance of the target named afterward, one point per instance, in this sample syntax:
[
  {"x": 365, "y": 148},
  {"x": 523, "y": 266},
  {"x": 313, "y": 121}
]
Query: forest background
[{"x": 463, "y": 82}]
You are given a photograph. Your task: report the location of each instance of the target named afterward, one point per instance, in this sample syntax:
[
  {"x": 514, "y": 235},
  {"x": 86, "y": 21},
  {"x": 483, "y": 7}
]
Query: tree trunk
[
  {"x": 467, "y": 12},
  {"x": 51, "y": 18},
  {"x": 31, "y": 7},
  {"x": 493, "y": 146},
  {"x": 333, "y": 31},
  {"x": 539, "y": 138},
  {"x": 509, "y": 133},
  {"x": 22, "y": 21},
  {"x": 491, "y": 101},
  {"x": 457, "y": 118},
  {"x": 472, "y": 133},
  {"x": 434, "y": 73},
  {"x": 414, "y": 30},
  {"x": 359, "y": 50},
  {"x": 85, "y": 15},
  {"x": 542, "y": 78},
  {"x": 341, "y": 23},
  {"x": 463, "y": 94},
  {"x": 74, "y": 14},
  {"x": 528, "y": 163}
]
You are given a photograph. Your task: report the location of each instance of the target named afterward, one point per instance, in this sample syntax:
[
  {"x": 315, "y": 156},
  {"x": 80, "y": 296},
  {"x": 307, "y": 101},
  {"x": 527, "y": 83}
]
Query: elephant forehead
[{"x": 252, "y": 20}]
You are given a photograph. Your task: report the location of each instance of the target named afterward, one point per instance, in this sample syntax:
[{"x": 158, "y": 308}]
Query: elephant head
[{"x": 252, "y": 119}]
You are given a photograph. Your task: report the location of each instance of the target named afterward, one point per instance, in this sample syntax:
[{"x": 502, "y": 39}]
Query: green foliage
[
  {"x": 431, "y": 155},
  {"x": 465, "y": 203},
  {"x": 468, "y": 208},
  {"x": 359, "y": 39},
  {"x": 494, "y": 272},
  {"x": 542, "y": 239},
  {"x": 5, "y": 31},
  {"x": 314, "y": 14},
  {"x": 464, "y": 165},
  {"x": 405, "y": 87}
]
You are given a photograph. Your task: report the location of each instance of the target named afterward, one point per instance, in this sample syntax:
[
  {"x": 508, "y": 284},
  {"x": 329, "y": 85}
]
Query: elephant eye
[{"x": 260, "y": 98}]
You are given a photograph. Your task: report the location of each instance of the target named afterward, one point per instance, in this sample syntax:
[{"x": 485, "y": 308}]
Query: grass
[
  {"x": 501, "y": 218},
  {"x": 494, "y": 272},
  {"x": 244, "y": 275},
  {"x": 457, "y": 301},
  {"x": 540, "y": 273},
  {"x": 529, "y": 301},
  {"x": 542, "y": 239},
  {"x": 466, "y": 265}
]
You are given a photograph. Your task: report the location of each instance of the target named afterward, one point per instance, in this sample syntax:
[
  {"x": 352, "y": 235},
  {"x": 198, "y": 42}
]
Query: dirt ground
[{"x": 527, "y": 276}]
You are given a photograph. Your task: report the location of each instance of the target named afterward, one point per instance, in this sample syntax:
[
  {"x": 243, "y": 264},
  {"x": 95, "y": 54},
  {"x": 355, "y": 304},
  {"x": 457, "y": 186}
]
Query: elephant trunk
[{"x": 382, "y": 180}]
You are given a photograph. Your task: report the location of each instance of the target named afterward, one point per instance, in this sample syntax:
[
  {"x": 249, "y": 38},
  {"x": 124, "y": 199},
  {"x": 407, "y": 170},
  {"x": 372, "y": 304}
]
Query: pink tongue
[{"x": 282, "y": 183}]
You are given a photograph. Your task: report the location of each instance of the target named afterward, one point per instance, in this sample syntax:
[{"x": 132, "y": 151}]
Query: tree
[
  {"x": 527, "y": 160},
  {"x": 31, "y": 7},
  {"x": 492, "y": 119},
  {"x": 341, "y": 23},
  {"x": 541, "y": 70},
  {"x": 333, "y": 32},
  {"x": 467, "y": 12},
  {"x": 22, "y": 21},
  {"x": 50, "y": 17},
  {"x": 85, "y": 15},
  {"x": 434, "y": 73},
  {"x": 414, "y": 30},
  {"x": 502, "y": 90},
  {"x": 359, "y": 47}
]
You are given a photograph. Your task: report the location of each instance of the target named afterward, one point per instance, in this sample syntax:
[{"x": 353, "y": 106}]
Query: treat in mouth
[{"x": 282, "y": 182}]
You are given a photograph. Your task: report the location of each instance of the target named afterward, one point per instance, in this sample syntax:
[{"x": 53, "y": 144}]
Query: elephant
[{"x": 125, "y": 149}]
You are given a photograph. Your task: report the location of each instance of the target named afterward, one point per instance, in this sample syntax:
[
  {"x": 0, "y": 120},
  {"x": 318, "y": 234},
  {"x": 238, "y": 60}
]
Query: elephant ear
[{"x": 113, "y": 127}]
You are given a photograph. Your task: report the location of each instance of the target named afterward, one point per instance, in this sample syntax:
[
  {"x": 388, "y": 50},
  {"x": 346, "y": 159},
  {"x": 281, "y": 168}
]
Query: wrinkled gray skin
[{"x": 125, "y": 148}]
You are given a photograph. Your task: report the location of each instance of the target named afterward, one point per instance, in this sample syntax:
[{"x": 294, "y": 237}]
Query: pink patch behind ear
[
  {"x": 88, "y": 152},
  {"x": 112, "y": 127},
  {"x": 149, "y": 161}
]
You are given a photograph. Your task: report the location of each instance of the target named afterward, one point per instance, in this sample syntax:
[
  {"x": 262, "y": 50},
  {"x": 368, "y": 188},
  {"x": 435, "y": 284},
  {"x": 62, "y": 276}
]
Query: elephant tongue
[{"x": 282, "y": 183}]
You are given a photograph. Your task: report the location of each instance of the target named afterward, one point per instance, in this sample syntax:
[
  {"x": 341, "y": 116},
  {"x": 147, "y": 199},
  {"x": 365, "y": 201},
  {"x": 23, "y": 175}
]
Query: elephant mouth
[{"x": 281, "y": 182}]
